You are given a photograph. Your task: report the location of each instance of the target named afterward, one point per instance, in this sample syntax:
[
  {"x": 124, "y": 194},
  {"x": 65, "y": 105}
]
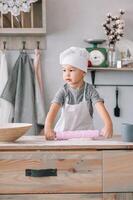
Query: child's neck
[{"x": 77, "y": 85}]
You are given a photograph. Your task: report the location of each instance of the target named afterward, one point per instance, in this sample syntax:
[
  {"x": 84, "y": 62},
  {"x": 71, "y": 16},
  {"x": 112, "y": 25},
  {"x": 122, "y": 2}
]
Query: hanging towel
[
  {"x": 37, "y": 66},
  {"x": 39, "y": 92},
  {"x": 6, "y": 108},
  {"x": 20, "y": 91}
]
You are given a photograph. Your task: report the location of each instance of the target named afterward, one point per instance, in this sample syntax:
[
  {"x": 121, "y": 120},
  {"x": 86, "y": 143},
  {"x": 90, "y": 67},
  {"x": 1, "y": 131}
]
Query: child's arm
[
  {"x": 48, "y": 131},
  {"x": 107, "y": 130}
]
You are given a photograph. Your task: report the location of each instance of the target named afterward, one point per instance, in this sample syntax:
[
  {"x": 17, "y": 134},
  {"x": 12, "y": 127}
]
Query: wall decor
[
  {"x": 114, "y": 30},
  {"x": 29, "y": 25}
]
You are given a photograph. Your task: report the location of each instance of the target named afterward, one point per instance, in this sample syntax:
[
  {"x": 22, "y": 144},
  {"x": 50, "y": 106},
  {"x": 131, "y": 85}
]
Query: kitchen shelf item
[
  {"x": 127, "y": 132},
  {"x": 98, "y": 55}
]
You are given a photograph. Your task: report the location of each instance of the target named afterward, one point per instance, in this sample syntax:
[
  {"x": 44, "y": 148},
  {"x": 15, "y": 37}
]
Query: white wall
[{"x": 69, "y": 22}]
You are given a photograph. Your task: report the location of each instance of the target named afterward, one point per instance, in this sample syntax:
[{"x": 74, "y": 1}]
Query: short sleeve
[
  {"x": 93, "y": 95},
  {"x": 59, "y": 97}
]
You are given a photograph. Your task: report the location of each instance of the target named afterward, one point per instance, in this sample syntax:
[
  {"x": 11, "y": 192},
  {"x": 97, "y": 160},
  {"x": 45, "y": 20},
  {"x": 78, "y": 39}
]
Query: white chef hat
[{"x": 75, "y": 56}]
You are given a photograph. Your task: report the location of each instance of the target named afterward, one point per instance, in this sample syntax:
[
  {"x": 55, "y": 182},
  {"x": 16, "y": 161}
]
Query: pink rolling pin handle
[
  {"x": 100, "y": 136},
  {"x": 77, "y": 134}
]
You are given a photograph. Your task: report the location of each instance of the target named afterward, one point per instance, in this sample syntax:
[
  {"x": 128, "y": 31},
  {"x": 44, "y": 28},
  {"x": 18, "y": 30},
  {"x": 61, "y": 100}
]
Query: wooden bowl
[{"x": 12, "y": 131}]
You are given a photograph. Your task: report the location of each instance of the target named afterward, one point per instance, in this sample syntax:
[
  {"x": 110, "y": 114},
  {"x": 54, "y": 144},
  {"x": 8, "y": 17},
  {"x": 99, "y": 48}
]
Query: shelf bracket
[{"x": 93, "y": 76}]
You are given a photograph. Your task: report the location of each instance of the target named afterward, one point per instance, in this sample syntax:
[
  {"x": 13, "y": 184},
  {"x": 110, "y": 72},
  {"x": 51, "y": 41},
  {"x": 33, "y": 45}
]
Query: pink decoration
[{"x": 77, "y": 134}]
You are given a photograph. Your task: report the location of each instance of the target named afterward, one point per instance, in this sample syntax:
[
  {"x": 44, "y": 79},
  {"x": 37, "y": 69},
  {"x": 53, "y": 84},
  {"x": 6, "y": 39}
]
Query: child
[{"x": 76, "y": 98}]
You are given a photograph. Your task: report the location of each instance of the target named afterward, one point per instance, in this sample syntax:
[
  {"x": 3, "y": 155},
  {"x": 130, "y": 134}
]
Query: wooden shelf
[
  {"x": 27, "y": 23},
  {"x": 93, "y": 71},
  {"x": 22, "y": 31},
  {"x": 110, "y": 69},
  {"x": 28, "y": 27}
]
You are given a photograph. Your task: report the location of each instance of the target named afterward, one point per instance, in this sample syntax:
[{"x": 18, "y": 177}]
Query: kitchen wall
[{"x": 69, "y": 22}]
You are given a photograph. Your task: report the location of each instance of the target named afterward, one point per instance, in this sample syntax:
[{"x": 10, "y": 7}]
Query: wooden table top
[{"x": 39, "y": 143}]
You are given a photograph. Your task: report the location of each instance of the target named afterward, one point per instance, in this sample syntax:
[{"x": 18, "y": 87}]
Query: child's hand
[
  {"x": 107, "y": 131},
  {"x": 49, "y": 134}
]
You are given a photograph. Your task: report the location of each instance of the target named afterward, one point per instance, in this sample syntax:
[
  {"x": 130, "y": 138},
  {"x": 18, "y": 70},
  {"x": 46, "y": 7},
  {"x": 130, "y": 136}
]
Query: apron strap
[{"x": 84, "y": 99}]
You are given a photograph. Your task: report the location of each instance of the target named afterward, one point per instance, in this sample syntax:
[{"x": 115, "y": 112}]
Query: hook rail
[{"x": 25, "y": 46}]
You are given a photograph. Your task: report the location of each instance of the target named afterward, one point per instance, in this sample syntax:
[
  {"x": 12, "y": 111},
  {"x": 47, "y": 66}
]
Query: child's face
[{"x": 72, "y": 75}]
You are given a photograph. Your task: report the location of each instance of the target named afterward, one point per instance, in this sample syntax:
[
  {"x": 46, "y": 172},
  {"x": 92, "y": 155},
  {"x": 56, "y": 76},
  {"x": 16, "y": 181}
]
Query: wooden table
[{"x": 35, "y": 169}]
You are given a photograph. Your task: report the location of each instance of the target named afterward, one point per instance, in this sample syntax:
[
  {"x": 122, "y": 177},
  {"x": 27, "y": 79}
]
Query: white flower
[
  {"x": 1, "y": 6},
  {"x": 119, "y": 31},
  {"x": 31, "y": 1},
  {"x": 10, "y": 3},
  {"x": 5, "y": 9},
  {"x": 15, "y": 6},
  {"x": 118, "y": 21},
  {"x": 114, "y": 27},
  {"x": 25, "y": 7},
  {"x": 15, "y": 11}
]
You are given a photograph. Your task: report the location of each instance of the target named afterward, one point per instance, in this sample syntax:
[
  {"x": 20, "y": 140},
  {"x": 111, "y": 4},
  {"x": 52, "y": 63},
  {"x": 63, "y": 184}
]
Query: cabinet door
[
  {"x": 118, "y": 196},
  {"x": 118, "y": 171},
  {"x": 77, "y": 172},
  {"x": 114, "y": 196}
]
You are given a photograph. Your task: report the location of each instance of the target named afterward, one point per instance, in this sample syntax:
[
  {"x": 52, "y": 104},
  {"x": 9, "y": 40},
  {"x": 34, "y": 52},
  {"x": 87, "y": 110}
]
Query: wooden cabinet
[
  {"x": 105, "y": 196},
  {"x": 70, "y": 170},
  {"x": 118, "y": 171},
  {"x": 54, "y": 197},
  {"x": 118, "y": 196},
  {"x": 77, "y": 172}
]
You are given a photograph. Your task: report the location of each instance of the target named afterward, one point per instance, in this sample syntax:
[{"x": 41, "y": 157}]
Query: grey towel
[{"x": 20, "y": 91}]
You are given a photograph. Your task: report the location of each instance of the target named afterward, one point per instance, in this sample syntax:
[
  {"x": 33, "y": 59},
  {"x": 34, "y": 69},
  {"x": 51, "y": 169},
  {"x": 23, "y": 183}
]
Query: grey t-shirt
[{"x": 75, "y": 96}]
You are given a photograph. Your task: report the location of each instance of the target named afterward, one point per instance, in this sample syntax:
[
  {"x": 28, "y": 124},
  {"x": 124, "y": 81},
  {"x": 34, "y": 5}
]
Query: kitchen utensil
[
  {"x": 117, "y": 109},
  {"x": 77, "y": 134},
  {"x": 127, "y": 132},
  {"x": 12, "y": 131}
]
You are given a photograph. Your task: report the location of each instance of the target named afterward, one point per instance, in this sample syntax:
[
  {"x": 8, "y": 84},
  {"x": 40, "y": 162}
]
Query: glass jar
[{"x": 112, "y": 56}]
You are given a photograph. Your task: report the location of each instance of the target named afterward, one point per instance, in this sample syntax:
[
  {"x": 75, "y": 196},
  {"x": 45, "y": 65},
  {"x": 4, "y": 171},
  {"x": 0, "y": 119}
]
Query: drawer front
[
  {"x": 118, "y": 171},
  {"x": 105, "y": 196},
  {"x": 77, "y": 172},
  {"x": 53, "y": 197},
  {"x": 118, "y": 196}
]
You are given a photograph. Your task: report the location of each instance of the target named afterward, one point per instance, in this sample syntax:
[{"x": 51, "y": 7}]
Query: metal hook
[
  {"x": 24, "y": 43},
  {"x": 38, "y": 44},
  {"x": 4, "y": 45}
]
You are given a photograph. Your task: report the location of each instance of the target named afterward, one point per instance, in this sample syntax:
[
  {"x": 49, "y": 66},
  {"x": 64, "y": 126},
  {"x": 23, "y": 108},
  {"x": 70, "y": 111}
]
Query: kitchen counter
[
  {"x": 35, "y": 169},
  {"x": 39, "y": 142}
]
